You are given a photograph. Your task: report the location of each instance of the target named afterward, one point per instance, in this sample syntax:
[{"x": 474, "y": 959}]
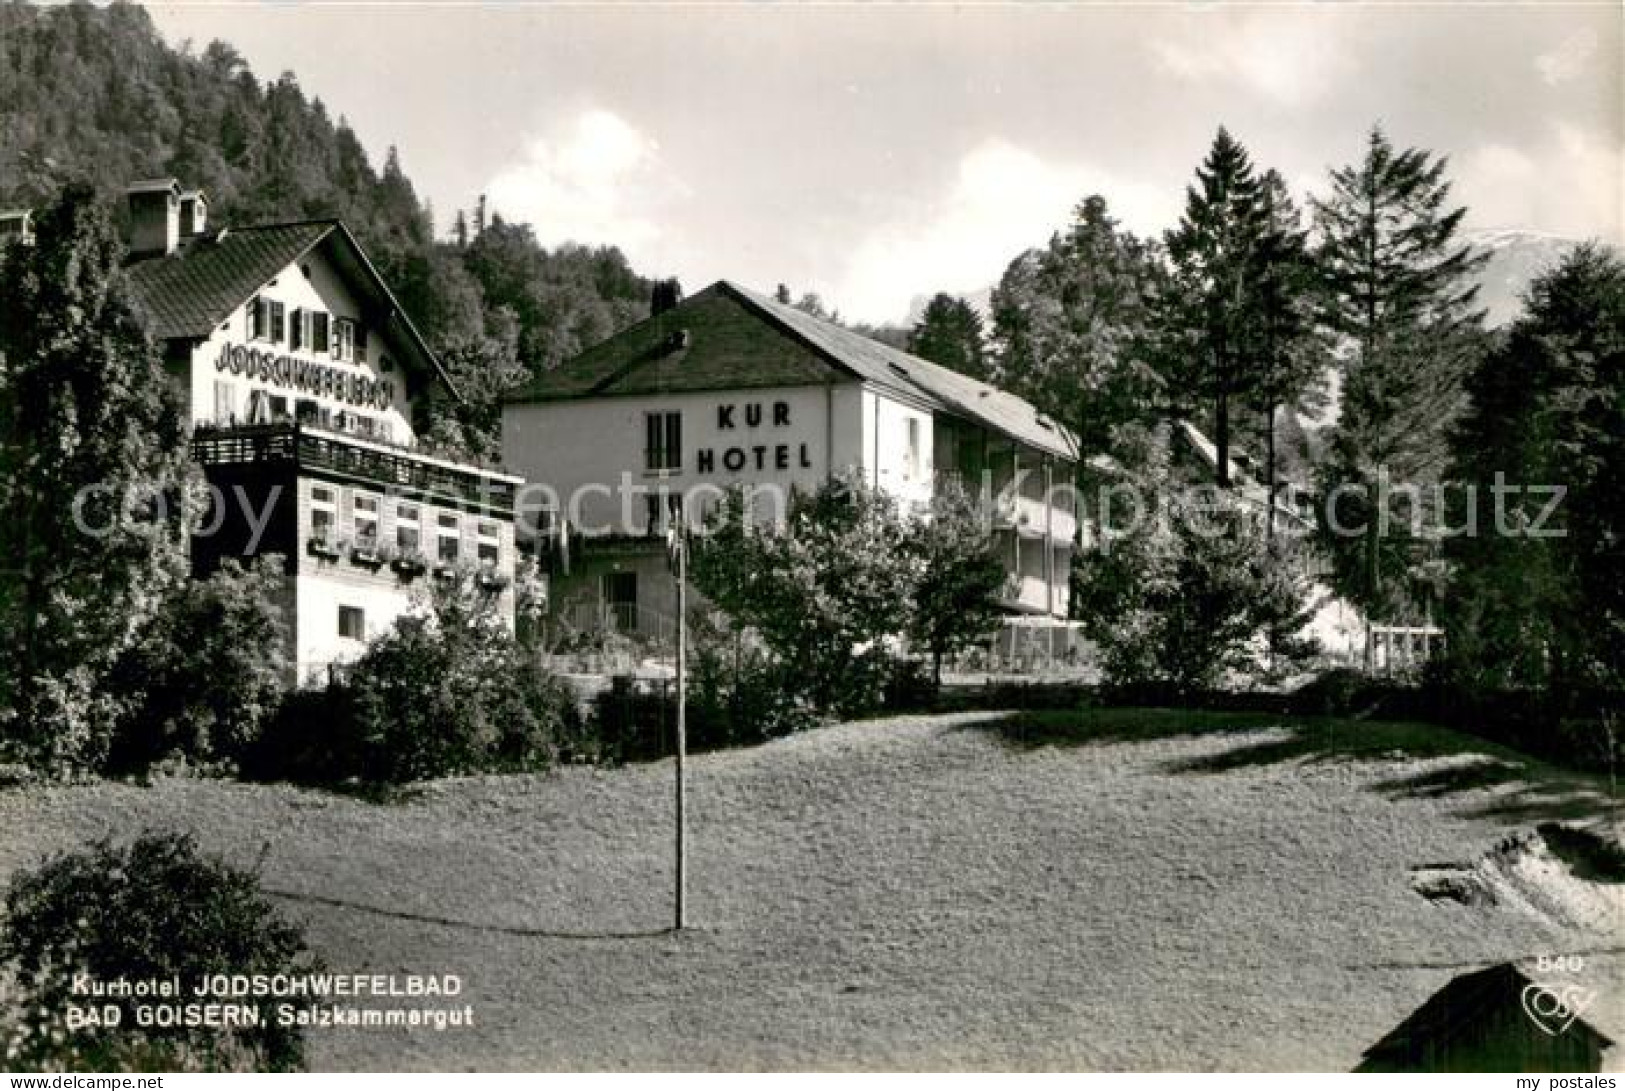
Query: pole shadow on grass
[
  {"x": 472, "y": 926},
  {"x": 1520, "y": 788}
]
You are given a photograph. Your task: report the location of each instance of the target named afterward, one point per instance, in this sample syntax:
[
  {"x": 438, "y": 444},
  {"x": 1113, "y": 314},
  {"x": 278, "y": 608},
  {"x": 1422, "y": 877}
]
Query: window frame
[
  {"x": 359, "y": 616},
  {"x": 663, "y": 441}
]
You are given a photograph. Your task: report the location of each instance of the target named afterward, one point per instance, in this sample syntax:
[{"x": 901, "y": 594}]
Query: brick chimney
[
  {"x": 155, "y": 216},
  {"x": 194, "y": 213}
]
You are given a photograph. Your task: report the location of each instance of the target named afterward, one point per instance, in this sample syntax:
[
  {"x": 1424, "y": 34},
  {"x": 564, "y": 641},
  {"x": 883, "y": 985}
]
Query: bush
[
  {"x": 440, "y": 694},
  {"x": 1195, "y": 597},
  {"x": 206, "y": 672},
  {"x": 153, "y": 910}
]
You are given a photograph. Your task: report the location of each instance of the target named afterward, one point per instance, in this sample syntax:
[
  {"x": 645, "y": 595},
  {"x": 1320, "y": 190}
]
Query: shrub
[
  {"x": 442, "y": 693},
  {"x": 1197, "y": 595},
  {"x": 206, "y": 672},
  {"x": 152, "y": 910}
]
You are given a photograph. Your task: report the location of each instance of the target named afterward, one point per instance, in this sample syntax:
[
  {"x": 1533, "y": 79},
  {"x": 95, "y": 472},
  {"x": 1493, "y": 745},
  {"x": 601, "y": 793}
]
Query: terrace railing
[{"x": 308, "y": 448}]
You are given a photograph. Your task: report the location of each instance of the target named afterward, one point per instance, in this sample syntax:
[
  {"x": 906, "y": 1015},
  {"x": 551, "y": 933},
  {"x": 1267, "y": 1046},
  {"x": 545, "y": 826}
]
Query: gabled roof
[
  {"x": 1466, "y": 1000},
  {"x": 189, "y": 293},
  {"x": 722, "y": 352}
]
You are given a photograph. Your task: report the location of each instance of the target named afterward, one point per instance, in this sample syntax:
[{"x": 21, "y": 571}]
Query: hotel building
[
  {"x": 731, "y": 388},
  {"x": 307, "y": 386}
]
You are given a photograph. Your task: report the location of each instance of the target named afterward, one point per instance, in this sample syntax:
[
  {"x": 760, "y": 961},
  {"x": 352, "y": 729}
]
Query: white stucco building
[
  {"x": 306, "y": 384},
  {"x": 731, "y": 388}
]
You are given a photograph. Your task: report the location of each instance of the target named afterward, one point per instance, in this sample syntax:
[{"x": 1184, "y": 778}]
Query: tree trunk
[
  {"x": 1269, "y": 471},
  {"x": 1221, "y": 440}
]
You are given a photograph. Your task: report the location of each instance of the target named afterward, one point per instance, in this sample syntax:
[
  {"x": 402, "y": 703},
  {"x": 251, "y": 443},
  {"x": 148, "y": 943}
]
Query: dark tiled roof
[
  {"x": 190, "y": 292},
  {"x": 895, "y": 369},
  {"x": 1467, "y": 999},
  {"x": 738, "y": 339},
  {"x": 728, "y": 347}
]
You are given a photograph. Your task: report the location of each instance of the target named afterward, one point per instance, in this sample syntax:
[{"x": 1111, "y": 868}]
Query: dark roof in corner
[
  {"x": 1465, "y": 1000},
  {"x": 188, "y": 293},
  {"x": 737, "y": 340}
]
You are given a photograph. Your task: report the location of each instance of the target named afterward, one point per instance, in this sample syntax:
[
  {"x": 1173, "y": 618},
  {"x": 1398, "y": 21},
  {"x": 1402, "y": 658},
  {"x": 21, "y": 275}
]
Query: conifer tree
[
  {"x": 1397, "y": 292},
  {"x": 1210, "y": 313},
  {"x": 950, "y": 333}
]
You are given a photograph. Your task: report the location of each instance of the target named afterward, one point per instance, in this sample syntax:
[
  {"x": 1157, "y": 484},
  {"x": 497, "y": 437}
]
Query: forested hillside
[{"x": 95, "y": 94}]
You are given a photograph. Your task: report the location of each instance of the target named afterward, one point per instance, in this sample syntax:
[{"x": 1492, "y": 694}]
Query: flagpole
[{"x": 682, "y": 725}]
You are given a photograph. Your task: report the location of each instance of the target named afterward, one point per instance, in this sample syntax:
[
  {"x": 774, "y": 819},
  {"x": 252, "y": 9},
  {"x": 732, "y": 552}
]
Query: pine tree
[
  {"x": 1397, "y": 292},
  {"x": 1211, "y": 309},
  {"x": 950, "y": 333},
  {"x": 92, "y": 462}
]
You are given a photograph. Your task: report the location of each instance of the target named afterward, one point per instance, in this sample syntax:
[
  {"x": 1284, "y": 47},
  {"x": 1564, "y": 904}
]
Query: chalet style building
[
  {"x": 307, "y": 386},
  {"x": 731, "y": 388}
]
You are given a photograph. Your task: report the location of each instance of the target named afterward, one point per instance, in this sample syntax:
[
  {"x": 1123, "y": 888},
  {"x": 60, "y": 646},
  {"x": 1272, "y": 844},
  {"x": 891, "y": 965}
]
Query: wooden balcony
[{"x": 306, "y": 449}]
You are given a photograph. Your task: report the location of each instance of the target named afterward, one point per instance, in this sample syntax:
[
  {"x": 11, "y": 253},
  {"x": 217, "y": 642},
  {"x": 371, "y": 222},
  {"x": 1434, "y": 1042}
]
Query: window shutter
[
  {"x": 256, "y": 318},
  {"x": 319, "y": 341},
  {"x": 296, "y": 333},
  {"x": 361, "y": 342},
  {"x": 674, "y": 440}
]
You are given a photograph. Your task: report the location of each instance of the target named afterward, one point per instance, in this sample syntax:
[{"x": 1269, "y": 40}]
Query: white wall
[{"x": 323, "y": 290}]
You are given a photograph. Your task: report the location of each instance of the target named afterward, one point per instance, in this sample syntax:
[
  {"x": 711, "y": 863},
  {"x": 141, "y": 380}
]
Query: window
[
  {"x": 663, "y": 441},
  {"x": 323, "y": 512},
  {"x": 449, "y": 546},
  {"x": 490, "y": 543},
  {"x": 298, "y": 335},
  {"x": 278, "y": 322},
  {"x": 279, "y": 407},
  {"x": 352, "y": 623},
  {"x": 364, "y": 510},
  {"x": 259, "y": 319},
  {"x": 360, "y": 343},
  {"x": 407, "y": 530},
  {"x": 343, "y": 339},
  {"x": 318, "y": 332},
  {"x": 225, "y": 401}
]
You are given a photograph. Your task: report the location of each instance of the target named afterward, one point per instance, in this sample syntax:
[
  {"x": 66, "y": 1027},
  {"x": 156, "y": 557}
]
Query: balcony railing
[{"x": 307, "y": 448}]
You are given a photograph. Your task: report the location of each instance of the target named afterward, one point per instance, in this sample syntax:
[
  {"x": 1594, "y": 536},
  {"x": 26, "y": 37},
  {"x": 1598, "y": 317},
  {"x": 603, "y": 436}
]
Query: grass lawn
[{"x": 1111, "y": 890}]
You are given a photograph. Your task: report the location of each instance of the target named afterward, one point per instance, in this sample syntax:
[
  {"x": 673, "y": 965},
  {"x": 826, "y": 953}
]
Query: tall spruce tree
[
  {"x": 1210, "y": 315},
  {"x": 92, "y": 462},
  {"x": 1397, "y": 291}
]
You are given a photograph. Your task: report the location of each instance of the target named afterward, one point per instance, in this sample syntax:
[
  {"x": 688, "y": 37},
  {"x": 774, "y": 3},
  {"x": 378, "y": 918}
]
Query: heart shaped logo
[{"x": 1554, "y": 1009}]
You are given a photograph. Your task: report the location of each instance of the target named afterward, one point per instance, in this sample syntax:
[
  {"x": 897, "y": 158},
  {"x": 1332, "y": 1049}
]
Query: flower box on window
[
  {"x": 325, "y": 546},
  {"x": 367, "y": 553},
  {"x": 409, "y": 566}
]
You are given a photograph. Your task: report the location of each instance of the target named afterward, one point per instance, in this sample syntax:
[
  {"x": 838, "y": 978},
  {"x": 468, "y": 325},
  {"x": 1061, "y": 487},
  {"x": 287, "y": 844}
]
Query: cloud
[
  {"x": 1287, "y": 57},
  {"x": 596, "y": 179},
  {"x": 1567, "y": 182},
  {"x": 1002, "y": 199},
  {"x": 1568, "y": 59}
]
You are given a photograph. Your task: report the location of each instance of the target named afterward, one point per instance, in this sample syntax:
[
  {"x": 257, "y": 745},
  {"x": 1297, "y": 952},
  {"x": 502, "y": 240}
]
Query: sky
[{"x": 878, "y": 154}]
